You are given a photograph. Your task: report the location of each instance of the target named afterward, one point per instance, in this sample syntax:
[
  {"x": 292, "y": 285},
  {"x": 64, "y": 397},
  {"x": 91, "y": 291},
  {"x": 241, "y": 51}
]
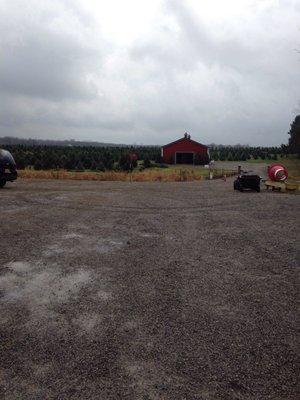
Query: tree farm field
[
  {"x": 147, "y": 290},
  {"x": 174, "y": 173}
]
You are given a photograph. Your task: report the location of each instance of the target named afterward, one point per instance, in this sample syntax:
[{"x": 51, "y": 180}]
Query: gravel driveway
[{"x": 178, "y": 291}]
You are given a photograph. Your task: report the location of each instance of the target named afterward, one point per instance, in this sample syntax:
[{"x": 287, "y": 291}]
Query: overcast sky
[{"x": 146, "y": 71}]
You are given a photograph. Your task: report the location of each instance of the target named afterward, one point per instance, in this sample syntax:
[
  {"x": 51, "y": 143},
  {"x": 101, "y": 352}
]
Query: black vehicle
[
  {"x": 247, "y": 181},
  {"x": 8, "y": 171}
]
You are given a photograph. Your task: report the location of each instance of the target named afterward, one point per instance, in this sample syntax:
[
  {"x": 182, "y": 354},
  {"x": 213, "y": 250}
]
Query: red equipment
[
  {"x": 277, "y": 172},
  {"x": 133, "y": 157}
]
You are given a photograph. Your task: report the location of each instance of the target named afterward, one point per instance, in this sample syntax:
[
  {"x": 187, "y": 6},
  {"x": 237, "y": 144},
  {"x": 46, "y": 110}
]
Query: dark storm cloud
[{"x": 60, "y": 76}]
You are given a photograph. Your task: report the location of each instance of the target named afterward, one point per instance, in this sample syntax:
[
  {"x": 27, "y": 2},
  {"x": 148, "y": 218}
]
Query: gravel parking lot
[{"x": 147, "y": 291}]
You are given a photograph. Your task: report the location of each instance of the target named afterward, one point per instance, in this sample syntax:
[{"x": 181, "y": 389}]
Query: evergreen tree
[
  {"x": 79, "y": 166},
  {"x": 294, "y": 139},
  {"x": 38, "y": 165},
  {"x": 146, "y": 162},
  {"x": 124, "y": 163},
  {"x": 222, "y": 156}
]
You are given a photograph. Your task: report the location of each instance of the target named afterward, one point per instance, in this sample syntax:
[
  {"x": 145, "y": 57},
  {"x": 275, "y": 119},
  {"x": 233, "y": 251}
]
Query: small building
[{"x": 185, "y": 151}]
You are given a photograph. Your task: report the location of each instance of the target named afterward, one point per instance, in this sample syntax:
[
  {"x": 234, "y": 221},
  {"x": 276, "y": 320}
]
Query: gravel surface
[{"x": 147, "y": 291}]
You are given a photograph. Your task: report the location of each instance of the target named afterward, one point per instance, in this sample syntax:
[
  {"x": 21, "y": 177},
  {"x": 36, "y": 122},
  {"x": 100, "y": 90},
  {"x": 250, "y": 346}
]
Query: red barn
[{"x": 185, "y": 151}]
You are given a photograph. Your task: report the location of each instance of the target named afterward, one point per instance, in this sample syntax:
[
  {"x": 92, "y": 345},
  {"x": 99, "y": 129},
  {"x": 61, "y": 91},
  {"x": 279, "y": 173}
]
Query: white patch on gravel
[
  {"x": 148, "y": 377},
  {"x": 107, "y": 245},
  {"x": 72, "y": 236},
  {"x": 87, "y": 322},
  {"x": 19, "y": 266},
  {"x": 149, "y": 235},
  {"x": 130, "y": 325},
  {"x": 40, "y": 289},
  {"x": 41, "y": 370},
  {"x": 62, "y": 197},
  {"x": 11, "y": 208},
  {"x": 87, "y": 244},
  {"x": 54, "y": 249},
  {"x": 78, "y": 226},
  {"x": 133, "y": 368},
  {"x": 104, "y": 295}
]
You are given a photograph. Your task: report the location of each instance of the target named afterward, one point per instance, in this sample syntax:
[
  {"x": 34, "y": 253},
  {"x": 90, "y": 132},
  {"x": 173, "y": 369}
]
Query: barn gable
[{"x": 185, "y": 151}]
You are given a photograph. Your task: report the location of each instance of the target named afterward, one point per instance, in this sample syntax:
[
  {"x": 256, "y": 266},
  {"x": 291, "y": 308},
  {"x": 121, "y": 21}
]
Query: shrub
[
  {"x": 160, "y": 165},
  {"x": 126, "y": 164},
  {"x": 38, "y": 165},
  {"x": 100, "y": 167},
  {"x": 146, "y": 162}
]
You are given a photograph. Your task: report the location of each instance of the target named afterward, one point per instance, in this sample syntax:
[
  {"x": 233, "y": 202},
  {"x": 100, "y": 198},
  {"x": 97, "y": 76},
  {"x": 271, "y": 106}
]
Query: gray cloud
[
  {"x": 44, "y": 52},
  {"x": 62, "y": 77}
]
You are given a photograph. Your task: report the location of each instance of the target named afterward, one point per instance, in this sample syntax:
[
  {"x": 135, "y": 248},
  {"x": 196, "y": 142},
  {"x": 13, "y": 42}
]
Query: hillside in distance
[
  {"x": 7, "y": 140},
  {"x": 10, "y": 141}
]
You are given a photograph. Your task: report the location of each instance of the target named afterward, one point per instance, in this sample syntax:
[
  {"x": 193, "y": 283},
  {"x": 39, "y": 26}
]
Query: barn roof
[{"x": 184, "y": 139}]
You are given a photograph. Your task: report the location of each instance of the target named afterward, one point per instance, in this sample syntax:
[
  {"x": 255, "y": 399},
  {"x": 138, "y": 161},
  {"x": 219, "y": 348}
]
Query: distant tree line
[
  {"x": 241, "y": 153},
  {"x": 81, "y": 157},
  {"x": 10, "y": 140},
  {"x": 119, "y": 158},
  {"x": 109, "y": 157}
]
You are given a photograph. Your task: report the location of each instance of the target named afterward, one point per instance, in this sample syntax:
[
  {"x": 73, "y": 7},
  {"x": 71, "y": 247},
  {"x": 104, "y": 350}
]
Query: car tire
[{"x": 2, "y": 183}]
